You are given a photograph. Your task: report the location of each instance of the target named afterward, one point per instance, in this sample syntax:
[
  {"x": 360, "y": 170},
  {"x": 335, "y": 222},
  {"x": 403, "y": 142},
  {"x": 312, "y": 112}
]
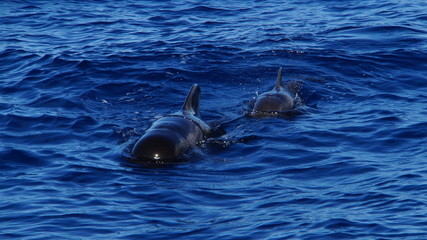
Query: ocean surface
[{"x": 82, "y": 80}]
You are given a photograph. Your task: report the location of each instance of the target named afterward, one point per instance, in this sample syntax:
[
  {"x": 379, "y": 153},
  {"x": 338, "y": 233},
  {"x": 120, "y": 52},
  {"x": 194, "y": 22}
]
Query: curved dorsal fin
[
  {"x": 278, "y": 85},
  {"x": 191, "y": 104}
]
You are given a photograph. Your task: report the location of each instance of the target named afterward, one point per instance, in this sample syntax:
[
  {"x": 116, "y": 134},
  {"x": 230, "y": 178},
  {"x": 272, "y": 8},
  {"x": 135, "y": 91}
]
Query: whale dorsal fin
[
  {"x": 278, "y": 85},
  {"x": 191, "y": 104}
]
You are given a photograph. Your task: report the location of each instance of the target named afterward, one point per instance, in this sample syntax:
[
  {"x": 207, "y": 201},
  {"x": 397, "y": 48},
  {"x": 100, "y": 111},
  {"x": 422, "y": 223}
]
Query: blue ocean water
[{"x": 81, "y": 81}]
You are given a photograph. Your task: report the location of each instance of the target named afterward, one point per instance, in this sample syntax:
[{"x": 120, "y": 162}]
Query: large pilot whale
[
  {"x": 173, "y": 135},
  {"x": 279, "y": 99}
]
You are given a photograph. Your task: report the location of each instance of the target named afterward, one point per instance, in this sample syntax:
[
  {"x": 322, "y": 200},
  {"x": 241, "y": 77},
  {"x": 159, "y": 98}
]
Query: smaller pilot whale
[
  {"x": 279, "y": 99},
  {"x": 172, "y": 135}
]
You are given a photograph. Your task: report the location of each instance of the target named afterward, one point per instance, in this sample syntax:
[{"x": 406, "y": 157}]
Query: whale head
[{"x": 160, "y": 146}]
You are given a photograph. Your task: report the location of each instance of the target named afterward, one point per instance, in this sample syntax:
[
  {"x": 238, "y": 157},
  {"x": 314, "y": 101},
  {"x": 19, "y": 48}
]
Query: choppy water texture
[{"x": 81, "y": 81}]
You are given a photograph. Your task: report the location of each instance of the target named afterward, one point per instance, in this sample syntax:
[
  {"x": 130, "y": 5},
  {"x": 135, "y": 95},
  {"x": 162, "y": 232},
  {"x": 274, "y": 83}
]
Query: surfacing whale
[
  {"x": 277, "y": 100},
  {"x": 173, "y": 135}
]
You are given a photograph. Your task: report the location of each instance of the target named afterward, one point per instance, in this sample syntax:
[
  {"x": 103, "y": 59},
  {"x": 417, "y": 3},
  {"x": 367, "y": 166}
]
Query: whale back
[
  {"x": 278, "y": 99},
  {"x": 172, "y": 135},
  {"x": 192, "y": 101}
]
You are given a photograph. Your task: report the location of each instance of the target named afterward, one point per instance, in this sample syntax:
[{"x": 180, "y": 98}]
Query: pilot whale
[
  {"x": 279, "y": 99},
  {"x": 172, "y": 135}
]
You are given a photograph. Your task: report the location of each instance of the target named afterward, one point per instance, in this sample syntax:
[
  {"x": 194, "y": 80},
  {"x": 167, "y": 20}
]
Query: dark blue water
[{"x": 81, "y": 81}]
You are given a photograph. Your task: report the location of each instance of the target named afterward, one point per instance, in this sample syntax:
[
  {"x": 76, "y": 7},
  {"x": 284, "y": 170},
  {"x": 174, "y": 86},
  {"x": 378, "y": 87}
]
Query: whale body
[
  {"x": 279, "y": 99},
  {"x": 172, "y": 135}
]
